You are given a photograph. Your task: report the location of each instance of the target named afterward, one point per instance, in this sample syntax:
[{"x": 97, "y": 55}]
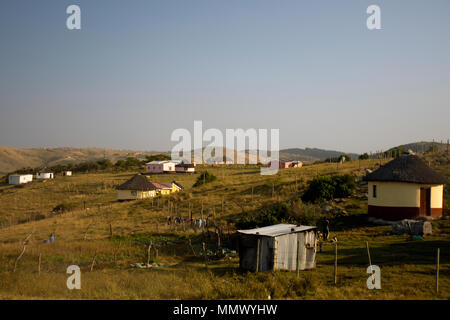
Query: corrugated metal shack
[{"x": 278, "y": 247}]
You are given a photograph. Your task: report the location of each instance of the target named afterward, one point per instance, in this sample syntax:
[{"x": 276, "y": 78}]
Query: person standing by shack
[{"x": 326, "y": 229}]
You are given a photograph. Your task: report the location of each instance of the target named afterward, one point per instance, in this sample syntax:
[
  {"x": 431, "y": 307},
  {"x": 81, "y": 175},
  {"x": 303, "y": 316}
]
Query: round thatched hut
[{"x": 405, "y": 188}]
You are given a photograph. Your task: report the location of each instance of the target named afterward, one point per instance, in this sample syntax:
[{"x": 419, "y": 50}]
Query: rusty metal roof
[{"x": 277, "y": 230}]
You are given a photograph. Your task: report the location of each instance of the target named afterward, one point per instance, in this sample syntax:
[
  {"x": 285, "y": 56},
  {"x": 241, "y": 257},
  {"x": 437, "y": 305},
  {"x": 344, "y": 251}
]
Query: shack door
[{"x": 425, "y": 202}]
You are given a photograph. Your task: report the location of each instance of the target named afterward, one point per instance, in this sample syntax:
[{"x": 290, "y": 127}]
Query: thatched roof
[
  {"x": 406, "y": 168},
  {"x": 137, "y": 183}
]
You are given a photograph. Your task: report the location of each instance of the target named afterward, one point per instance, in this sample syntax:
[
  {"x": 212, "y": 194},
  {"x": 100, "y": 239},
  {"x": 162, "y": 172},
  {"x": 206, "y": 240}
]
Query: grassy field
[{"x": 407, "y": 267}]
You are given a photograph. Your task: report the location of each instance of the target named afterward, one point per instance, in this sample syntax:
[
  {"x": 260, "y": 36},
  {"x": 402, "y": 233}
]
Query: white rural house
[
  {"x": 67, "y": 173},
  {"x": 160, "y": 167},
  {"x": 185, "y": 168},
  {"x": 45, "y": 174},
  {"x": 20, "y": 178}
]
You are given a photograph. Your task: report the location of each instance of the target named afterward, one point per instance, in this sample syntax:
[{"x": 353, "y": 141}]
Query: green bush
[
  {"x": 304, "y": 214},
  {"x": 327, "y": 188},
  {"x": 158, "y": 157},
  {"x": 344, "y": 186},
  {"x": 274, "y": 214},
  {"x": 363, "y": 156},
  {"x": 64, "y": 207},
  {"x": 204, "y": 177},
  {"x": 321, "y": 188}
]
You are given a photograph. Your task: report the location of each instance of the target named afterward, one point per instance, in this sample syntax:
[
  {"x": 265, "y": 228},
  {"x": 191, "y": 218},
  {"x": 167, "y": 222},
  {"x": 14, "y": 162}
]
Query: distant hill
[
  {"x": 13, "y": 159},
  {"x": 307, "y": 154},
  {"x": 422, "y": 146},
  {"x": 312, "y": 154}
]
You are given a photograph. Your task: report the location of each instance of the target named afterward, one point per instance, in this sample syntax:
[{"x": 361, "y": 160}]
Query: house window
[
  {"x": 133, "y": 193},
  {"x": 374, "y": 191}
]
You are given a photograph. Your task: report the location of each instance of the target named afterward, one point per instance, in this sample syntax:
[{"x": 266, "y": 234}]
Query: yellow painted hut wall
[
  {"x": 134, "y": 195},
  {"x": 398, "y": 194},
  {"x": 165, "y": 191},
  {"x": 437, "y": 196}
]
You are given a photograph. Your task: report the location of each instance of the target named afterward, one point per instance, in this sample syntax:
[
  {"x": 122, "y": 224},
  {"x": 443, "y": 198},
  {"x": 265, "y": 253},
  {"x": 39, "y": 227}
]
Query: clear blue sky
[{"x": 139, "y": 69}]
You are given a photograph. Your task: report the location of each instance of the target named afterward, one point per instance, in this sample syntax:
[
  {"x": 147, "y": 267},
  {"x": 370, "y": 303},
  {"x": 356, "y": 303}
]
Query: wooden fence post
[
  {"x": 18, "y": 258},
  {"x": 298, "y": 258},
  {"x": 85, "y": 233},
  {"x": 149, "y": 251},
  {"x": 116, "y": 251},
  {"x": 39, "y": 263},
  {"x": 368, "y": 253},
  {"x": 93, "y": 260},
  {"x": 190, "y": 245},
  {"x": 437, "y": 270},
  {"x": 218, "y": 236},
  {"x": 258, "y": 248},
  {"x": 25, "y": 242},
  {"x": 204, "y": 255},
  {"x": 335, "y": 263}
]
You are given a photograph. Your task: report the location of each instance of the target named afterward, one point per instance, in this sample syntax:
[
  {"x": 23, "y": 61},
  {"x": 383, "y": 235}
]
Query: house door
[{"x": 425, "y": 202}]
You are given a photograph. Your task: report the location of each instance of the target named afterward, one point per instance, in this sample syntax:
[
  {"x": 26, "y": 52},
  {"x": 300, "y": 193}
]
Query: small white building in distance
[
  {"x": 45, "y": 174},
  {"x": 67, "y": 173},
  {"x": 160, "y": 167},
  {"x": 185, "y": 168},
  {"x": 20, "y": 178}
]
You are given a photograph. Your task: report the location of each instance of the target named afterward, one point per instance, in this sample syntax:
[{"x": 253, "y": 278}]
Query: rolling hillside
[
  {"x": 14, "y": 159},
  {"x": 312, "y": 154}
]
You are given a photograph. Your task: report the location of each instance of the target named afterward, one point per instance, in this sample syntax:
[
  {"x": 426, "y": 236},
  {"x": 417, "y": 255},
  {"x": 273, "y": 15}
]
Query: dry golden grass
[{"x": 407, "y": 266}]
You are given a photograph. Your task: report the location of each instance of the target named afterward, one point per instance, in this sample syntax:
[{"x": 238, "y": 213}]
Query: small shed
[
  {"x": 185, "y": 168},
  {"x": 67, "y": 173},
  {"x": 160, "y": 167},
  {"x": 285, "y": 164},
  {"x": 45, "y": 174},
  {"x": 278, "y": 247},
  {"x": 20, "y": 178}
]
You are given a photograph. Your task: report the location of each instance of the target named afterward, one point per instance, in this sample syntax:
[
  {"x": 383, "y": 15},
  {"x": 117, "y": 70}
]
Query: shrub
[
  {"x": 128, "y": 163},
  {"x": 320, "y": 188},
  {"x": 327, "y": 188},
  {"x": 304, "y": 214},
  {"x": 64, "y": 207},
  {"x": 204, "y": 177},
  {"x": 363, "y": 156},
  {"x": 158, "y": 157},
  {"x": 273, "y": 214},
  {"x": 258, "y": 220},
  {"x": 344, "y": 186}
]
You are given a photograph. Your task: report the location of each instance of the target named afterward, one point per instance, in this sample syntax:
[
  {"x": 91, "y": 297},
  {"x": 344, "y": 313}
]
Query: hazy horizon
[{"x": 137, "y": 71}]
